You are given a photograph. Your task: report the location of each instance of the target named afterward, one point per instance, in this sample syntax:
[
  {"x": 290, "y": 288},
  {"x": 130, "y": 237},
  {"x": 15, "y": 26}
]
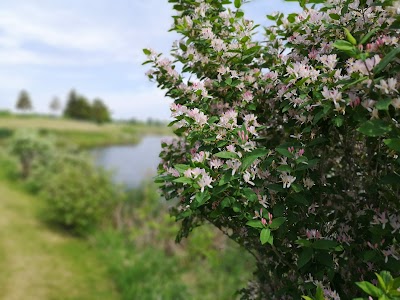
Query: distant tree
[
  {"x": 77, "y": 107},
  {"x": 55, "y": 104},
  {"x": 100, "y": 112},
  {"x": 24, "y": 102}
]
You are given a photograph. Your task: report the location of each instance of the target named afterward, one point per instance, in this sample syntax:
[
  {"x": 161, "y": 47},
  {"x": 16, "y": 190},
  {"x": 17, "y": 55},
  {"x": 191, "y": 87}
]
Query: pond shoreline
[{"x": 130, "y": 164}]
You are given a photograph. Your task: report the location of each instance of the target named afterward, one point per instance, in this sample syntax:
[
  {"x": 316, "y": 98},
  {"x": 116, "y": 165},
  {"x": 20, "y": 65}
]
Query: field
[{"x": 82, "y": 133}]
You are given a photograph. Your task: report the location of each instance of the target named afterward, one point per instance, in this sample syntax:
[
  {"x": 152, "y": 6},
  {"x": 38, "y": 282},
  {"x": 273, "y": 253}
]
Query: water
[{"x": 133, "y": 163}]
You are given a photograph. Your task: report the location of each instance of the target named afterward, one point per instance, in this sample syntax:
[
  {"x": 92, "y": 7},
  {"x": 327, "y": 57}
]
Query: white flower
[
  {"x": 205, "y": 181},
  {"x": 287, "y": 180},
  {"x": 396, "y": 103},
  {"x": 308, "y": 183},
  {"x": 246, "y": 177}
]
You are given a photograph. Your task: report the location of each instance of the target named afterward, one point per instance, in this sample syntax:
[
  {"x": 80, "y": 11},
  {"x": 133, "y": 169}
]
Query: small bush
[
  {"x": 30, "y": 148},
  {"x": 78, "y": 196}
]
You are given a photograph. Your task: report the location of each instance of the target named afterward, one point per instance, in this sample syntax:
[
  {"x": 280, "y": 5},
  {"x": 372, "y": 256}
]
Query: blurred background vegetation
[{"x": 90, "y": 237}]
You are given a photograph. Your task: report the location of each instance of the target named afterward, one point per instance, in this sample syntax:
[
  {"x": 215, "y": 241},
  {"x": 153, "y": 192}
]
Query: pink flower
[
  {"x": 248, "y": 96},
  {"x": 205, "y": 181}
]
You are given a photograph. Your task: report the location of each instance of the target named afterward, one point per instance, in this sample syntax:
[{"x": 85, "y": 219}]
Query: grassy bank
[
  {"x": 39, "y": 263},
  {"x": 82, "y": 133}
]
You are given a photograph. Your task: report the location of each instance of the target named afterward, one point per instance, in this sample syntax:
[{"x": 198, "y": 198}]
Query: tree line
[{"x": 77, "y": 107}]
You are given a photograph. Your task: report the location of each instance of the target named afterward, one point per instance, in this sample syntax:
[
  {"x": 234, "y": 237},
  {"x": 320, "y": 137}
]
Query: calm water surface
[{"x": 133, "y": 163}]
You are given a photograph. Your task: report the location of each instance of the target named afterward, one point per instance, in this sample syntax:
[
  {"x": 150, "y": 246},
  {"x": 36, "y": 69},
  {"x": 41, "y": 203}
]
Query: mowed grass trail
[{"x": 37, "y": 263}]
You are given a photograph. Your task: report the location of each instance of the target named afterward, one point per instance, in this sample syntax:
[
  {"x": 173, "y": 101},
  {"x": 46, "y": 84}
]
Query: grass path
[{"x": 37, "y": 263}]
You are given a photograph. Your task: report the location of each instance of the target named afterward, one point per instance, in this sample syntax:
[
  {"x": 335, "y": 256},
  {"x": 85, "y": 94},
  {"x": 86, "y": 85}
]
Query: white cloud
[
  {"x": 71, "y": 35},
  {"x": 141, "y": 105}
]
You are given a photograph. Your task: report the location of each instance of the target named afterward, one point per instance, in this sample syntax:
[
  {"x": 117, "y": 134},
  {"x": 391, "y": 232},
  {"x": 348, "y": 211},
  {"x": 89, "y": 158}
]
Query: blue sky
[{"x": 95, "y": 46}]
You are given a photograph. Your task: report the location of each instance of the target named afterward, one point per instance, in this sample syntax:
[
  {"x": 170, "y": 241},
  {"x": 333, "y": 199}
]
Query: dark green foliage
[
  {"x": 24, "y": 102},
  {"x": 77, "y": 107},
  {"x": 100, "y": 112}
]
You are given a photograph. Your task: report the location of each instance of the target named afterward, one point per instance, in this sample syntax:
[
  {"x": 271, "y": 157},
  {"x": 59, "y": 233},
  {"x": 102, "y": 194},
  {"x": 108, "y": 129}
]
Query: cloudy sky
[{"x": 95, "y": 46}]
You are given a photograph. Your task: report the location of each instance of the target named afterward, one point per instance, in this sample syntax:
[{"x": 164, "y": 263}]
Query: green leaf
[
  {"x": 236, "y": 207},
  {"x": 386, "y": 60},
  {"x": 383, "y": 281},
  {"x": 227, "y": 202},
  {"x": 276, "y": 187},
  {"x": 296, "y": 187},
  {"x": 370, "y": 289},
  {"x": 361, "y": 79},
  {"x": 202, "y": 198},
  {"x": 228, "y": 81},
  {"x": 374, "y": 128},
  {"x": 250, "y": 194},
  {"x": 238, "y": 3},
  {"x": 393, "y": 144},
  {"x": 343, "y": 45},
  {"x": 338, "y": 121},
  {"x": 251, "y": 157},
  {"x": 391, "y": 178},
  {"x": 226, "y": 178},
  {"x": 181, "y": 168},
  {"x": 277, "y": 222},
  {"x": 226, "y": 154},
  {"x": 319, "y": 295},
  {"x": 212, "y": 120},
  {"x": 265, "y": 235},
  {"x": 349, "y": 36},
  {"x": 304, "y": 243},
  {"x": 240, "y": 14},
  {"x": 183, "y": 180},
  {"x": 284, "y": 152},
  {"x": 304, "y": 297},
  {"x": 255, "y": 224},
  {"x": 324, "y": 244},
  {"x": 334, "y": 16},
  {"x": 278, "y": 209},
  {"x": 366, "y": 37},
  {"x": 305, "y": 257},
  {"x": 383, "y": 104},
  {"x": 284, "y": 168},
  {"x": 146, "y": 51},
  {"x": 396, "y": 283}
]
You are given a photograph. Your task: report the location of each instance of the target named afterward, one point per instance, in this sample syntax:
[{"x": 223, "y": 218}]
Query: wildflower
[
  {"x": 396, "y": 103},
  {"x": 233, "y": 164},
  {"x": 313, "y": 234},
  {"x": 308, "y": 183},
  {"x": 287, "y": 179},
  {"x": 247, "y": 177},
  {"x": 216, "y": 163},
  {"x": 388, "y": 86},
  {"x": 205, "y": 181},
  {"x": 248, "y": 96}
]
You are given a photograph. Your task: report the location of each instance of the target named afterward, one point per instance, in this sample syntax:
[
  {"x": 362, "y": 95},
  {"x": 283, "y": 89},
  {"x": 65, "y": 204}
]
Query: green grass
[
  {"x": 37, "y": 262},
  {"x": 82, "y": 133}
]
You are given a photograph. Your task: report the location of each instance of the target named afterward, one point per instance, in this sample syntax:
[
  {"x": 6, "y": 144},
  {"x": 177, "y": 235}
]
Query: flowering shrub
[{"x": 288, "y": 145}]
